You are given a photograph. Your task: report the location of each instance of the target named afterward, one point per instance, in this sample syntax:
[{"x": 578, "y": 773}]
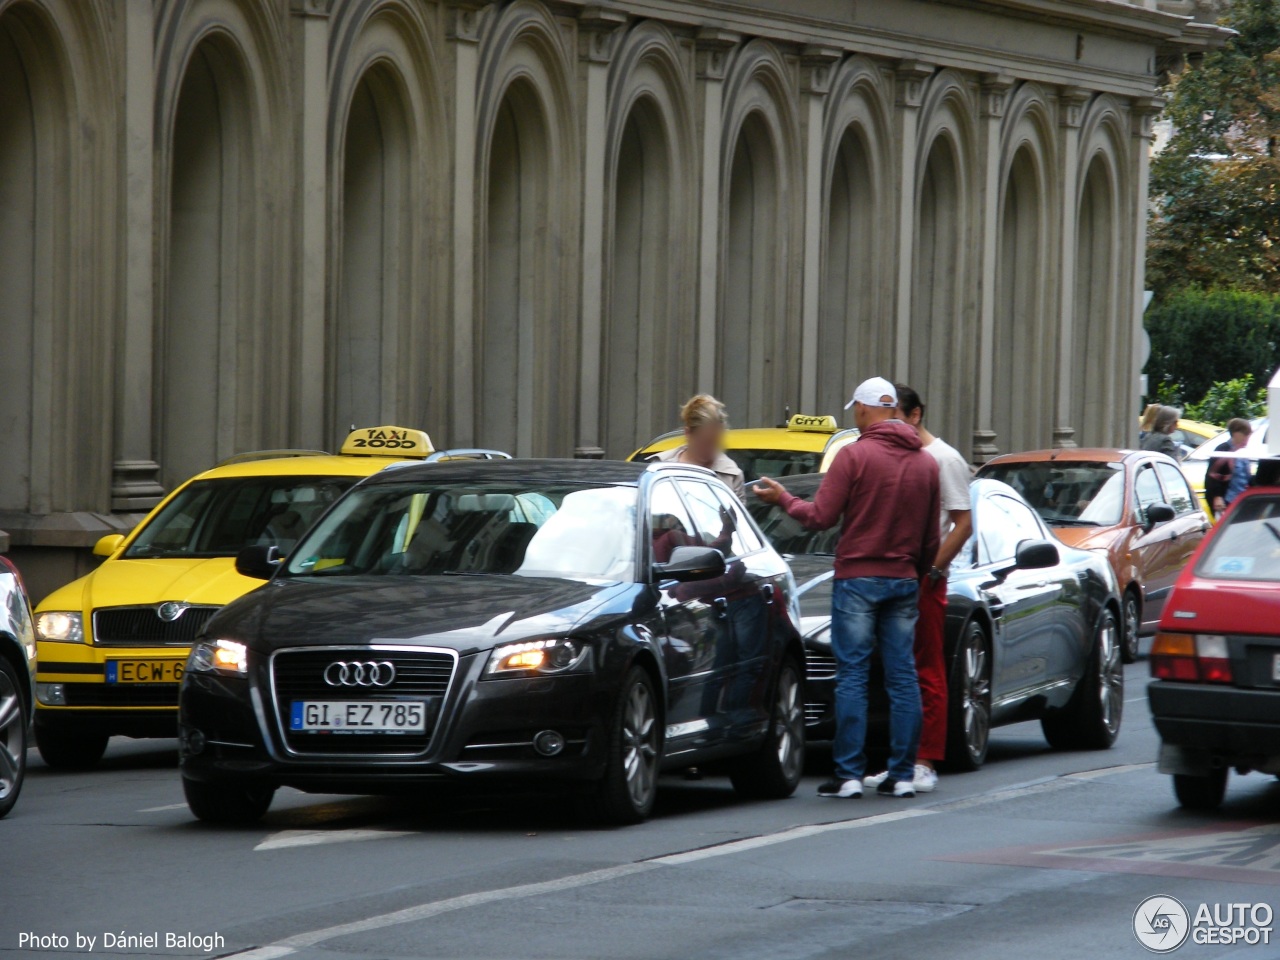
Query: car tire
[
  {"x": 62, "y": 750},
  {"x": 1131, "y": 624},
  {"x": 1091, "y": 720},
  {"x": 13, "y": 737},
  {"x": 775, "y": 770},
  {"x": 1201, "y": 793},
  {"x": 629, "y": 787},
  {"x": 231, "y": 804},
  {"x": 969, "y": 700}
]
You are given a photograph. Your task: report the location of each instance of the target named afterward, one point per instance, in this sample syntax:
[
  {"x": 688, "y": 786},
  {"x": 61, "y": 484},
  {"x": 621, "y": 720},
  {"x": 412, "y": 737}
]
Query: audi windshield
[{"x": 528, "y": 529}]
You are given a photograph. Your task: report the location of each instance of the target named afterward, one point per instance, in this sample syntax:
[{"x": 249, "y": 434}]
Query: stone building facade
[{"x": 537, "y": 225}]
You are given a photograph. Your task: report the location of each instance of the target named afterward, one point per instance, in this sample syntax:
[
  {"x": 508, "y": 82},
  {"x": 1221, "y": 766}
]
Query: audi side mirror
[
  {"x": 1036, "y": 555},
  {"x": 691, "y": 563},
  {"x": 1159, "y": 513},
  {"x": 258, "y": 562}
]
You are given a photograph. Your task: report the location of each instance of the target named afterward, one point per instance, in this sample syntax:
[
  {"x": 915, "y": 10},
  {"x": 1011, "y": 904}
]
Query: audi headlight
[
  {"x": 539, "y": 657},
  {"x": 62, "y": 626},
  {"x": 219, "y": 656}
]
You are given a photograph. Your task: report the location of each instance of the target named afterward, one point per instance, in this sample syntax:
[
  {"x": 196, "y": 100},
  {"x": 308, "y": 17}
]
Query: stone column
[
  {"x": 135, "y": 484},
  {"x": 1071, "y": 104},
  {"x": 598, "y": 32},
  {"x": 995, "y": 89},
  {"x": 818, "y": 67},
  {"x": 308, "y": 412},
  {"x": 713, "y": 48},
  {"x": 463, "y": 34},
  {"x": 1143, "y": 112},
  {"x": 912, "y": 76}
]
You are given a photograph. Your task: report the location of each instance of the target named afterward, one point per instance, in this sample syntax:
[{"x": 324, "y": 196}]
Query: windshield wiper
[
  {"x": 1073, "y": 522},
  {"x": 1271, "y": 525}
]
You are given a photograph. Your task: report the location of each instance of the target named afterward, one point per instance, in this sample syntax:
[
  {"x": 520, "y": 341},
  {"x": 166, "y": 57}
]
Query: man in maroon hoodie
[{"x": 883, "y": 491}]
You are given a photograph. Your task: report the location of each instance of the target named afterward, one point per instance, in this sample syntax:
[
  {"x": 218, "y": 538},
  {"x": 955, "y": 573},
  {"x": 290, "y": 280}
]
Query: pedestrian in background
[
  {"x": 956, "y": 527},
  {"x": 1148, "y": 421},
  {"x": 705, "y": 420},
  {"x": 1228, "y": 477},
  {"x": 883, "y": 491},
  {"x": 1159, "y": 439}
]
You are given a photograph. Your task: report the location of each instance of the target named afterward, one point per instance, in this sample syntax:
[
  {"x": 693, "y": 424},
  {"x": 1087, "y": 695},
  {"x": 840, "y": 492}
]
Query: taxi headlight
[
  {"x": 62, "y": 626},
  {"x": 219, "y": 656},
  {"x": 539, "y": 657}
]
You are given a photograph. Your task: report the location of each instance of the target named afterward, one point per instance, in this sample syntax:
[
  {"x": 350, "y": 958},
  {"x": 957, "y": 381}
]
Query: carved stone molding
[
  {"x": 817, "y": 68},
  {"x": 911, "y": 76},
  {"x": 1072, "y": 101},
  {"x": 599, "y": 31},
  {"x": 1143, "y": 113},
  {"x": 995, "y": 89},
  {"x": 713, "y": 46},
  {"x": 462, "y": 21}
]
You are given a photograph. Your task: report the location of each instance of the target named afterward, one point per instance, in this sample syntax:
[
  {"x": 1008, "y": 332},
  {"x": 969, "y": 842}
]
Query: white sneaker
[
  {"x": 896, "y": 788},
  {"x": 875, "y": 779},
  {"x": 925, "y": 779},
  {"x": 838, "y": 789}
]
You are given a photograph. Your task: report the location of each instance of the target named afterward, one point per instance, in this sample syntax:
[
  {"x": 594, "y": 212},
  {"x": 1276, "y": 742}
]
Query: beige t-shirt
[{"x": 954, "y": 477}]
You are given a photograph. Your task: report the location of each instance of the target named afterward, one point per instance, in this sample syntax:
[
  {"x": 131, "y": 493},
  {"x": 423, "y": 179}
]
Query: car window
[
  {"x": 775, "y": 463},
  {"x": 788, "y": 535},
  {"x": 746, "y": 534},
  {"x": 1070, "y": 493},
  {"x": 715, "y": 525},
  {"x": 1003, "y": 523},
  {"x": 669, "y": 523},
  {"x": 1246, "y": 545},
  {"x": 1146, "y": 490},
  {"x": 1176, "y": 489}
]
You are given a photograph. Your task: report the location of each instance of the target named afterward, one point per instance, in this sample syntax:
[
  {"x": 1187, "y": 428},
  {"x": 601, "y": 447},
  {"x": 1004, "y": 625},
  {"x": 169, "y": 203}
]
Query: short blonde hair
[
  {"x": 1149, "y": 417},
  {"x": 702, "y": 410}
]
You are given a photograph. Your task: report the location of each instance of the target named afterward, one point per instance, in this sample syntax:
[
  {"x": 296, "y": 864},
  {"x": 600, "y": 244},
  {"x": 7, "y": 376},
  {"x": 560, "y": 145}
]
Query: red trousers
[{"x": 931, "y": 668}]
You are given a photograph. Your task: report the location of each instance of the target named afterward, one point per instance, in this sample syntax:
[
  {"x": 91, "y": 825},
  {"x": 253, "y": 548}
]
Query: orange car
[{"x": 1133, "y": 506}]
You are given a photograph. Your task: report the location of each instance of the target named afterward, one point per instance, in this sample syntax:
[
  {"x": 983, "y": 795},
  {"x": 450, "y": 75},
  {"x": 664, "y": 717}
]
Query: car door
[
  {"x": 1021, "y": 601},
  {"x": 736, "y": 695},
  {"x": 692, "y": 626},
  {"x": 1189, "y": 527},
  {"x": 1155, "y": 551}
]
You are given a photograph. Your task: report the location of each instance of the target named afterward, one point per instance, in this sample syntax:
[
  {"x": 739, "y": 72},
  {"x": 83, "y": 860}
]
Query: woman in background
[{"x": 705, "y": 421}]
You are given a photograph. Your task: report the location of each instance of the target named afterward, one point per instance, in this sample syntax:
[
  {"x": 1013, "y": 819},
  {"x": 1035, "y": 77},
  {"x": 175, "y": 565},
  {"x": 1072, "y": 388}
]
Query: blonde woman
[{"x": 705, "y": 421}]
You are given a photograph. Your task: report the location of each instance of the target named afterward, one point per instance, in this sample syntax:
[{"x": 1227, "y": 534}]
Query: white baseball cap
[{"x": 876, "y": 392}]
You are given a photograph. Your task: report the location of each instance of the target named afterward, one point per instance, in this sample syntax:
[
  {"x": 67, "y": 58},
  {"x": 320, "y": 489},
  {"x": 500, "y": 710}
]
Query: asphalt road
[{"x": 1040, "y": 854}]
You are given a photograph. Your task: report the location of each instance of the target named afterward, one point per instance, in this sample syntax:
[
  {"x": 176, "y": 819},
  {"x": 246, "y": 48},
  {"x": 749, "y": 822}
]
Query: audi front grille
[
  {"x": 419, "y": 675},
  {"x": 819, "y": 667},
  {"x": 148, "y": 626}
]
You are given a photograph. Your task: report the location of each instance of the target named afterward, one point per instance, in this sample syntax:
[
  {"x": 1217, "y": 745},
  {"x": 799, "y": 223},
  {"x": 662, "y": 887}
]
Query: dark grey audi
[{"x": 584, "y": 625}]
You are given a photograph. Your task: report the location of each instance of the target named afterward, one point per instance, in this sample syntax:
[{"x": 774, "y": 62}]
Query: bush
[
  {"x": 1230, "y": 398},
  {"x": 1200, "y": 338}
]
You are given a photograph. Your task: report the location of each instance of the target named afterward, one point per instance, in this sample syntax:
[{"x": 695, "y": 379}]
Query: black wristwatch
[{"x": 935, "y": 574}]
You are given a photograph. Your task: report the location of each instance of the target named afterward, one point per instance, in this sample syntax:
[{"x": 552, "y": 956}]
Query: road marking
[
  {"x": 435, "y": 908},
  {"x": 285, "y": 839},
  {"x": 167, "y": 806}
]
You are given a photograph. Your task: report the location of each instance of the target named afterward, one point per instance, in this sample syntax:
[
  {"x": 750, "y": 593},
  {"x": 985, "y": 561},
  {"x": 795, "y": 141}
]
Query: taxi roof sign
[
  {"x": 805, "y": 423},
  {"x": 387, "y": 442}
]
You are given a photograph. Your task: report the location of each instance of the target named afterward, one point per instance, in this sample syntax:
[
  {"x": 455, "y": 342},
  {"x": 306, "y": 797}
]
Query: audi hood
[{"x": 469, "y": 614}]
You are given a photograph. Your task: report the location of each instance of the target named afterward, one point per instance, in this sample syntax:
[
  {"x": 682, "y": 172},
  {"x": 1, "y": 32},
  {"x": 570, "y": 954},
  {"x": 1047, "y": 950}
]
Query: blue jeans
[{"x": 869, "y": 613}]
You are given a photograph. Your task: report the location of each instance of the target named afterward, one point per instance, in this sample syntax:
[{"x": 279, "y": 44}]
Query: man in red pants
[{"x": 957, "y": 526}]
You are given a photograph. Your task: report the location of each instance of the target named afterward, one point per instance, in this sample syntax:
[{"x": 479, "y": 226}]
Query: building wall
[{"x": 234, "y": 224}]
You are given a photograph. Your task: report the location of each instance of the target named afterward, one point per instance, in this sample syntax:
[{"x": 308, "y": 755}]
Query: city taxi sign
[
  {"x": 387, "y": 442},
  {"x": 805, "y": 423}
]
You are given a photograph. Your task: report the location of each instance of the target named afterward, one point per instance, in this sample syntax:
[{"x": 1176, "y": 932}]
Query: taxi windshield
[
  {"x": 1247, "y": 545},
  {"x": 775, "y": 463},
  {"x": 220, "y": 517},
  {"x": 528, "y": 529},
  {"x": 788, "y": 536},
  {"x": 1067, "y": 494}
]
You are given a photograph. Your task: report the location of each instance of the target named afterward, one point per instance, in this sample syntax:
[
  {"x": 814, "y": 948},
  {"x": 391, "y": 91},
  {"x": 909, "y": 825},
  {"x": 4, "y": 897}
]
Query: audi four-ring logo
[{"x": 360, "y": 673}]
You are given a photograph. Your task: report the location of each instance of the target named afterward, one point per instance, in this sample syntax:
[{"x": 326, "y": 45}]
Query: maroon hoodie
[{"x": 883, "y": 490}]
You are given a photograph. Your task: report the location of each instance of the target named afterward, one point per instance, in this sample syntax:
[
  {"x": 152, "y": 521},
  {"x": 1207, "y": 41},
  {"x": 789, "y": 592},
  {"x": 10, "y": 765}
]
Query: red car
[{"x": 1215, "y": 696}]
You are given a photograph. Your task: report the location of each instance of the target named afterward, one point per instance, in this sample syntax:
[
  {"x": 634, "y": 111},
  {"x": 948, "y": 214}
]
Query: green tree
[
  {"x": 1216, "y": 202},
  {"x": 1230, "y": 398}
]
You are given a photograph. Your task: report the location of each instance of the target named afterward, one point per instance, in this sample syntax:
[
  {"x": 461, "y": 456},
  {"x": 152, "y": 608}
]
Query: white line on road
[
  {"x": 434, "y": 908},
  {"x": 167, "y": 806},
  {"x": 285, "y": 839}
]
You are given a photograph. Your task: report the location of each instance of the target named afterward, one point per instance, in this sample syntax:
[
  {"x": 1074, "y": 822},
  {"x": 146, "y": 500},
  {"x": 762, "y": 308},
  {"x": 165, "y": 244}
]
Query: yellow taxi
[
  {"x": 805, "y": 444},
  {"x": 112, "y": 645}
]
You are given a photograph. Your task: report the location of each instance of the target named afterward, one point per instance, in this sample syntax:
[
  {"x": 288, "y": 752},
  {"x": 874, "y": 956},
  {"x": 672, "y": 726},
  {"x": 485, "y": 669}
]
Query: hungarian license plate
[
  {"x": 145, "y": 671},
  {"x": 357, "y": 716}
]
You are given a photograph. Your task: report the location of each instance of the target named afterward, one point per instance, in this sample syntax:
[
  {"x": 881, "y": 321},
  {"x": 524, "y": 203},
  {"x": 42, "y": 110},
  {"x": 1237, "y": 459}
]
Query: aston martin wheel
[
  {"x": 1131, "y": 624},
  {"x": 1091, "y": 720},
  {"x": 630, "y": 784},
  {"x": 969, "y": 701},
  {"x": 775, "y": 770},
  {"x": 13, "y": 738}
]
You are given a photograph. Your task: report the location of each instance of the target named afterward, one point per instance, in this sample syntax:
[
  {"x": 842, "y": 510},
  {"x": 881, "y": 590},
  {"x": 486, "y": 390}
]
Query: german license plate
[
  {"x": 1275, "y": 668},
  {"x": 357, "y": 716},
  {"x": 145, "y": 671}
]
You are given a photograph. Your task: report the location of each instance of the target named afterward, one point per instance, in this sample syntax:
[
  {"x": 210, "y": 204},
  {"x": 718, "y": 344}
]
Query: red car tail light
[{"x": 1202, "y": 658}]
